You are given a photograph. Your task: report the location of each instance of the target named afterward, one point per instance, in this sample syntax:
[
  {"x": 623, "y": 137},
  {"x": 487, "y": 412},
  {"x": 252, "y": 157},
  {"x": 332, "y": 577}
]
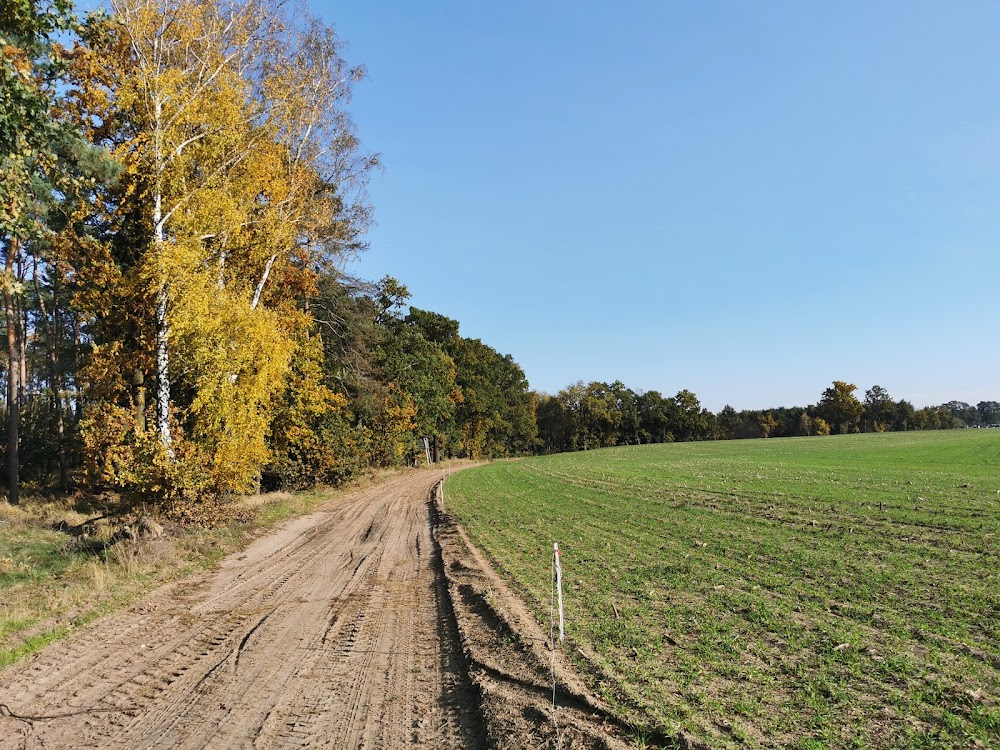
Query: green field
[{"x": 808, "y": 592}]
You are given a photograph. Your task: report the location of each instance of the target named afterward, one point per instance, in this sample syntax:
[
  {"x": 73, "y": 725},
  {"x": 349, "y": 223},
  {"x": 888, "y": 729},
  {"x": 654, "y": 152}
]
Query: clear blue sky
[
  {"x": 748, "y": 200},
  {"x": 745, "y": 199}
]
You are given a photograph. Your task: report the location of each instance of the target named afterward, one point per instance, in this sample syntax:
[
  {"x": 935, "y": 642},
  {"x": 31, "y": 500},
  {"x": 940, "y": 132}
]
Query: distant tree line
[{"x": 595, "y": 415}]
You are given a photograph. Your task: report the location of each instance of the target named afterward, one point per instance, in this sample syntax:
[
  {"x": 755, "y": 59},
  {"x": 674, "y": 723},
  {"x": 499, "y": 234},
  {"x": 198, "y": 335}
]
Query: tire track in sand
[{"x": 328, "y": 633}]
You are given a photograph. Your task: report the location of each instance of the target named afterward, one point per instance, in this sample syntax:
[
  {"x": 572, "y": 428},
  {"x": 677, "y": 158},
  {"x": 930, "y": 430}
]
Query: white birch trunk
[
  {"x": 162, "y": 352},
  {"x": 162, "y": 370},
  {"x": 263, "y": 280}
]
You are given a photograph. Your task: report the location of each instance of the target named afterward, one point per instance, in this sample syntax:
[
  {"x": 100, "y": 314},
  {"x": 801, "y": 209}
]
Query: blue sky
[
  {"x": 745, "y": 199},
  {"x": 748, "y": 200}
]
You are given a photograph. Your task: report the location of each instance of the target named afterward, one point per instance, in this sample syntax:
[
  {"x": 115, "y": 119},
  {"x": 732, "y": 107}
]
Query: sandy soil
[
  {"x": 341, "y": 630},
  {"x": 331, "y": 632}
]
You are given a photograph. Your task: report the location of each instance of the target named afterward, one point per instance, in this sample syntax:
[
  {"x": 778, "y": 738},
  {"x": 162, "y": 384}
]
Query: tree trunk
[
  {"x": 13, "y": 376},
  {"x": 263, "y": 280},
  {"x": 53, "y": 373},
  {"x": 57, "y": 386},
  {"x": 22, "y": 342},
  {"x": 162, "y": 352},
  {"x": 162, "y": 370},
  {"x": 61, "y": 437},
  {"x": 76, "y": 367},
  {"x": 140, "y": 399}
]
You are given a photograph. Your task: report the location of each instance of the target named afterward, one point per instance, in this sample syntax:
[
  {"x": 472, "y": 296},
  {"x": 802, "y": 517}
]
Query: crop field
[{"x": 810, "y": 592}]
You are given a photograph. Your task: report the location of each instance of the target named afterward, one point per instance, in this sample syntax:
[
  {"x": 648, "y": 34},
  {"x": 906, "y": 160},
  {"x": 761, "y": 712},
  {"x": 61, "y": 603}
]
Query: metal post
[{"x": 555, "y": 552}]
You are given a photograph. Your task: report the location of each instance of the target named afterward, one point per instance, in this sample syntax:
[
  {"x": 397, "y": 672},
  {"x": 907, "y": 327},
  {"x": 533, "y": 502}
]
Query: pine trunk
[
  {"x": 22, "y": 356},
  {"x": 78, "y": 401},
  {"x": 53, "y": 372},
  {"x": 13, "y": 376},
  {"x": 57, "y": 388},
  {"x": 138, "y": 380}
]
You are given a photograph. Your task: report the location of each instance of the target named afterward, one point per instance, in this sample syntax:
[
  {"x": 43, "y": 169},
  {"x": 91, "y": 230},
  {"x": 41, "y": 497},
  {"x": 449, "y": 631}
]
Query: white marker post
[{"x": 555, "y": 552}]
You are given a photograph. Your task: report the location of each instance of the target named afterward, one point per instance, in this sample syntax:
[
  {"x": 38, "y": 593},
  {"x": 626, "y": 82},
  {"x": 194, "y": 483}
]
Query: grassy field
[{"x": 812, "y": 592}]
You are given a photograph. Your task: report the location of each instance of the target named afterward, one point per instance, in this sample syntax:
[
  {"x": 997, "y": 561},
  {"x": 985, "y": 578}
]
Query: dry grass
[{"x": 267, "y": 498}]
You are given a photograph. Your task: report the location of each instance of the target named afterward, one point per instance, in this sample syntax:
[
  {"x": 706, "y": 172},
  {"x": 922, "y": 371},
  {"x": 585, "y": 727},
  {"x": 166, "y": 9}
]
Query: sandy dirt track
[{"x": 335, "y": 631}]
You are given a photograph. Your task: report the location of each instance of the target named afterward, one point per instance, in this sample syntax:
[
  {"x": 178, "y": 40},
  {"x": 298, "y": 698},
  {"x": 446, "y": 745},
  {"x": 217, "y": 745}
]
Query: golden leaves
[
  {"x": 238, "y": 157},
  {"x": 233, "y": 360}
]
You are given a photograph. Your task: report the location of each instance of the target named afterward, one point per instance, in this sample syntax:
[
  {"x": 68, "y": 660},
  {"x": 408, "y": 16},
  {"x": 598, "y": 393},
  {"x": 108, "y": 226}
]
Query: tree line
[
  {"x": 600, "y": 414},
  {"x": 182, "y": 182}
]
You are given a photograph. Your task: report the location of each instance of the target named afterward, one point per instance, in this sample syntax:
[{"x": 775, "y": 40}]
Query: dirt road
[{"x": 335, "y": 631}]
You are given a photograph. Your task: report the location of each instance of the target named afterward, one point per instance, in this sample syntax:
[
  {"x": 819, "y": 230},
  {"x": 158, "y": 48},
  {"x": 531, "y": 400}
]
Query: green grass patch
[{"x": 814, "y": 592}]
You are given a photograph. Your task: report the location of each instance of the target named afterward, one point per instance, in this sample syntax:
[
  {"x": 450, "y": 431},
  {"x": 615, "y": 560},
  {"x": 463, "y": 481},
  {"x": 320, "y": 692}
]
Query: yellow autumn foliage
[
  {"x": 232, "y": 361},
  {"x": 238, "y": 164}
]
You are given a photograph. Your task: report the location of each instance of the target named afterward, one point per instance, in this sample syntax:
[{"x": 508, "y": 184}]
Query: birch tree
[
  {"x": 179, "y": 81},
  {"x": 244, "y": 177}
]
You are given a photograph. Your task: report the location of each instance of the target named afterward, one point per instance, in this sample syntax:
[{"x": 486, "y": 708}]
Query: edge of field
[
  {"x": 528, "y": 698},
  {"x": 975, "y": 695}
]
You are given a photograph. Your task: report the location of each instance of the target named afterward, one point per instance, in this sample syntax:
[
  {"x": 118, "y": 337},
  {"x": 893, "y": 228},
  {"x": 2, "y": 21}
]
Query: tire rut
[{"x": 327, "y": 633}]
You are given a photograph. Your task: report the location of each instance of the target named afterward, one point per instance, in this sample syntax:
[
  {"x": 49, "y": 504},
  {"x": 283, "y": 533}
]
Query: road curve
[{"x": 334, "y": 631}]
